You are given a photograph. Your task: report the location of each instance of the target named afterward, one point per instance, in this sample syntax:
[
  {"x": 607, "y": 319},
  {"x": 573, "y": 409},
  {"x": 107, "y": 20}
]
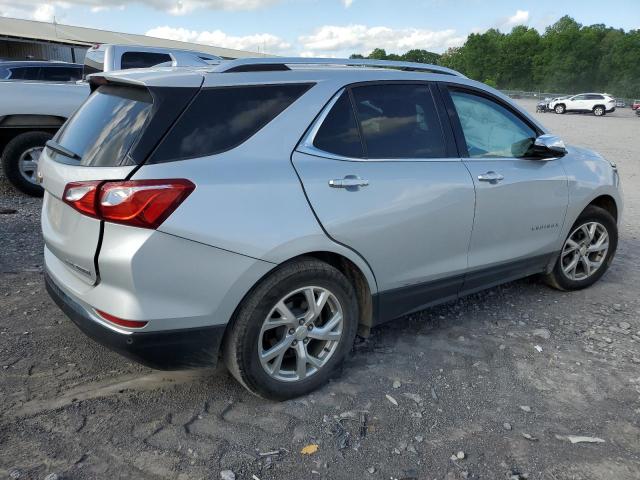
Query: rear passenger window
[
  {"x": 339, "y": 131},
  {"x": 142, "y": 59},
  {"x": 220, "y": 119},
  {"x": 399, "y": 121}
]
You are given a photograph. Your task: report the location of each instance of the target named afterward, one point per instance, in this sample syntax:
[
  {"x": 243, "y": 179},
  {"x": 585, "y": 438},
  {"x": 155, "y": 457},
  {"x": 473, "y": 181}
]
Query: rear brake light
[
  {"x": 121, "y": 322},
  {"x": 139, "y": 203}
]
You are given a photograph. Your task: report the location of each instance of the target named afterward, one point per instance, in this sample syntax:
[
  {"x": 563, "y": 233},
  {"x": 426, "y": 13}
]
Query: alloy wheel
[
  {"x": 300, "y": 334},
  {"x": 584, "y": 251},
  {"x": 28, "y": 164}
]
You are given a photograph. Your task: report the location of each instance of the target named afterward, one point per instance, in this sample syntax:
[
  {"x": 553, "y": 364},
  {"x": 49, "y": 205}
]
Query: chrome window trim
[{"x": 306, "y": 145}]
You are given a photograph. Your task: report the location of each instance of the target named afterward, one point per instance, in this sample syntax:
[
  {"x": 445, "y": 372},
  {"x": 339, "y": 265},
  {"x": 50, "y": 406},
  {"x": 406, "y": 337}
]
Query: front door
[
  {"x": 520, "y": 201},
  {"x": 383, "y": 178}
]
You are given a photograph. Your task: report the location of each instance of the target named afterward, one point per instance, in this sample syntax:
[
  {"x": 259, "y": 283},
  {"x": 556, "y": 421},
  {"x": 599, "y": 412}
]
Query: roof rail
[{"x": 279, "y": 63}]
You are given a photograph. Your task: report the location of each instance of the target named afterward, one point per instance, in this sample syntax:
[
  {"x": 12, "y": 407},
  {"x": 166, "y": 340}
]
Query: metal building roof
[{"x": 56, "y": 33}]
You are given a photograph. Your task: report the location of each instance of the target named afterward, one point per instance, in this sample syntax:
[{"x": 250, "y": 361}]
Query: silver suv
[{"x": 268, "y": 209}]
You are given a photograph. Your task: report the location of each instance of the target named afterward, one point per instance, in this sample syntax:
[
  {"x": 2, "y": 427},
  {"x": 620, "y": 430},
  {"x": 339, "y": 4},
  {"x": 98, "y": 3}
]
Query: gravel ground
[{"x": 458, "y": 391}]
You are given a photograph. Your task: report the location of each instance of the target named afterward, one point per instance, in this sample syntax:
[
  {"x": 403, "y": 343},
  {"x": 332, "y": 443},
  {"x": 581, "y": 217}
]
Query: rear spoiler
[
  {"x": 98, "y": 79},
  {"x": 149, "y": 77}
]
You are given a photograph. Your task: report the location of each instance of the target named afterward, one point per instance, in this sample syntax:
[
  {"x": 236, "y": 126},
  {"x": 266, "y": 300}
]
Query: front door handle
[
  {"x": 491, "y": 177},
  {"x": 350, "y": 181}
]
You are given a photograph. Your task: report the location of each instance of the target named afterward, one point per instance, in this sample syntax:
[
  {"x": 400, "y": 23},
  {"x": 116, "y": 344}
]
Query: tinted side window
[
  {"x": 595, "y": 97},
  {"x": 142, "y": 59},
  {"x": 60, "y": 74},
  {"x": 220, "y": 119},
  {"x": 490, "y": 129},
  {"x": 399, "y": 121},
  {"x": 339, "y": 131},
  {"x": 103, "y": 129},
  {"x": 23, "y": 73},
  {"x": 580, "y": 97}
]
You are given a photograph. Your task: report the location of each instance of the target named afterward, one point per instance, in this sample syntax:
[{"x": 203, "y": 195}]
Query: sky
[{"x": 333, "y": 28}]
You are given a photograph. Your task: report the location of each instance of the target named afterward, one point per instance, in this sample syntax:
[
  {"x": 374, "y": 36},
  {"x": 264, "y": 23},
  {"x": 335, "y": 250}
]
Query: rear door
[
  {"x": 520, "y": 201},
  {"x": 100, "y": 135},
  {"x": 383, "y": 178}
]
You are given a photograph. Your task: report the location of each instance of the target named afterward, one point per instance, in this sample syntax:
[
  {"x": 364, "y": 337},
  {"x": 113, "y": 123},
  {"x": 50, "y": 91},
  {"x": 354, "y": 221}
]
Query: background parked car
[
  {"x": 621, "y": 104},
  {"x": 635, "y": 105},
  {"x": 41, "y": 71},
  {"x": 597, "y": 103},
  {"x": 32, "y": 112}
]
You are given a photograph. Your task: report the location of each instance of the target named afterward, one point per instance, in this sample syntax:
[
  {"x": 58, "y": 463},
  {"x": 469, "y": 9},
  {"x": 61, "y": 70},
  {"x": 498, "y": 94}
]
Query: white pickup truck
[{"x": 31, "y": 112}]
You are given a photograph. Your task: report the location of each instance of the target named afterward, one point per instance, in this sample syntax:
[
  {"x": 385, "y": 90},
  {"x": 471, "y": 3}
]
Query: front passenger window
[{"x": 490, "y": 130}]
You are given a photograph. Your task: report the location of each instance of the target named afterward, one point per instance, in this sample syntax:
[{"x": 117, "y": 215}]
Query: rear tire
[
  {"x": 252, "y": 339},
  {"x": 20, "y": 159},
  {"x": 591, "y": 261},
  {"x": 599, "y": 111},
  {"x": 560, "y": 109}
]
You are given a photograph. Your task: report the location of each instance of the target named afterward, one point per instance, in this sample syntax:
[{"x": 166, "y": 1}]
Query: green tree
[
  {"x": 568, "y": 57},
  {"x": 420, "y": 56}
]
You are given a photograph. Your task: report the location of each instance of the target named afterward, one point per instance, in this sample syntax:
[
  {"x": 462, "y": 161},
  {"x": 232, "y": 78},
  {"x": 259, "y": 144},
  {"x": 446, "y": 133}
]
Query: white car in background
[{"x": 597, "y": 103}]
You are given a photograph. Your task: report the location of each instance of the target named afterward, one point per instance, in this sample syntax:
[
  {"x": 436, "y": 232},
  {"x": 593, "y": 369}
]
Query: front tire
[
  {"x": 20, "y": 161},
  {"x": 560, "y": 109},
  {"x": 587, "y": 251},
  {"x": 293, "y": 331}
]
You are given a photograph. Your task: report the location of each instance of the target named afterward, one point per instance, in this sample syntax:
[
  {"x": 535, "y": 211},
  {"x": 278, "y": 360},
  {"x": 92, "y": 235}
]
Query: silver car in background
[{"x": 268, "y": 209}]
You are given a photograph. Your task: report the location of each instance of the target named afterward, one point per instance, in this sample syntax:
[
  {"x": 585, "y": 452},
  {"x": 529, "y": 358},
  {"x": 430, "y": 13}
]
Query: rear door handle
[
  {"x": 491, "y": 177},
  {"x": 350, "y": 181}
]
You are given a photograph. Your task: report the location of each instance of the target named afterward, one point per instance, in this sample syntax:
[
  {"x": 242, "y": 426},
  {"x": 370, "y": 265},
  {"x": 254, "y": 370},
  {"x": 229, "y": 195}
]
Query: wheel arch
[
  {"x": 360, "y": 284},
  {"x": 13, "y": 125},
  {"x": 359, "y": 275},
  {"x": 606, "y": 202}
]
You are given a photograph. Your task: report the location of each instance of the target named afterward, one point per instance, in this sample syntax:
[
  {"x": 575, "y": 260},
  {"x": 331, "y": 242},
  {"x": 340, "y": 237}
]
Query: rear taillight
[
  {"x": 82, "y": 196},
  {"x": 119, "y": 321},
  {"x": 139, "y": 203}
]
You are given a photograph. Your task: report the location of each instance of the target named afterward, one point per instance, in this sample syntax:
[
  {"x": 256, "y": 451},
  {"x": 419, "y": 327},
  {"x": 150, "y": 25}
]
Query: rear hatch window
[
  {"x": 104, "y": 128},
  {"x": 222, "y": 118}
]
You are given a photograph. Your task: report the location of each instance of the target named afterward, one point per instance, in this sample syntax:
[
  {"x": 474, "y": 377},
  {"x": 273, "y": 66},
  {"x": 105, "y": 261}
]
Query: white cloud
[
  {"x": 521, "y": 17},
  {"x": 27, "y": 8},
  {"x": 259, "y": 42},
  {"x": 347, "y": 3},
  {"x": 44, "y": 13},
  {"x": 332, "y": 40},
  {"x": 33, "y": 9}
]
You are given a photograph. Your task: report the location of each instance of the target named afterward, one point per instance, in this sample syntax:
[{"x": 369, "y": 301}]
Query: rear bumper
[{"x": 165, "y": 350}]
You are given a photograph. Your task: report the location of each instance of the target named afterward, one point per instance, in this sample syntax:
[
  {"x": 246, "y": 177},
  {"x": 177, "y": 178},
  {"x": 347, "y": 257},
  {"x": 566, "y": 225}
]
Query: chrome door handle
[
  {"x": 350, "y": 181},
  {"x": 491, "y": 177}
]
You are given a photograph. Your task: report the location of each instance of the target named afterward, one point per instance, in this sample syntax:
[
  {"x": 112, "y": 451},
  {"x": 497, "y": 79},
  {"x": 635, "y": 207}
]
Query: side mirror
[{"x": 547, "y": 146}]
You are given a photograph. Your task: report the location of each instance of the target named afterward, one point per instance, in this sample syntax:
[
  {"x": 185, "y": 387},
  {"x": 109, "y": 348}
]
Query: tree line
[{"x": 568, "y": 57}]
